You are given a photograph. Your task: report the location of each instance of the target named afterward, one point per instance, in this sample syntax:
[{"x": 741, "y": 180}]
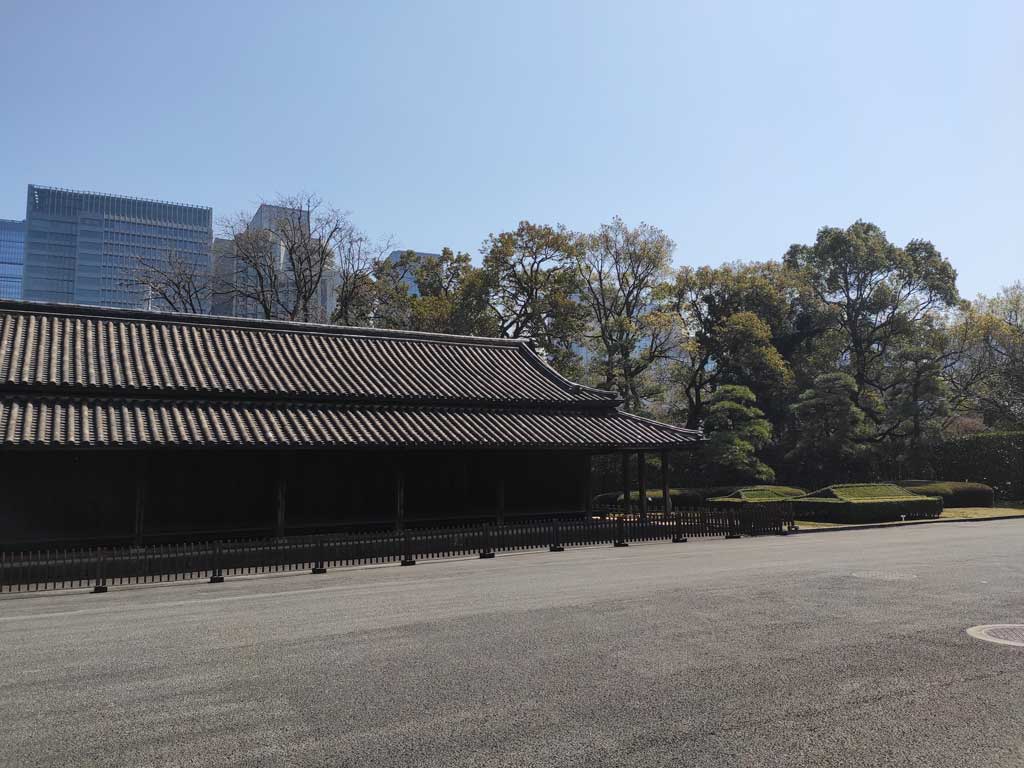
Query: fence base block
[
  {"x": 557, "y": 548},
  {"x": 99, "y": 589},
  {"x": 678, "y": 539},
  {"x": 319, "y": 570},
  {"x": 732, "y": 536},
  {"x": 621, "y": 544},
  {"x": 486, "y": 555},
  {"x": 409, "y": 562},
  {"x": 216, "y": 579}
]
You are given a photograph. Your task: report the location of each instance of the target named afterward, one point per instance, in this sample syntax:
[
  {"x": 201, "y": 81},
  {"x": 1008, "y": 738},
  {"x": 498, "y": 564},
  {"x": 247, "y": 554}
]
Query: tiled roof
[
  {"x": 149, "y": 354},
  {"x": 81, "y": 376},
  {"x": 73, "y": 422}
]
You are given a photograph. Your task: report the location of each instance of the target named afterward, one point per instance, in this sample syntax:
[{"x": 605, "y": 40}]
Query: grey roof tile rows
[
  {"x": 71, "y": 422},
  {"x": 82, "y": 376},
  {"x": 128, "y": 355}
]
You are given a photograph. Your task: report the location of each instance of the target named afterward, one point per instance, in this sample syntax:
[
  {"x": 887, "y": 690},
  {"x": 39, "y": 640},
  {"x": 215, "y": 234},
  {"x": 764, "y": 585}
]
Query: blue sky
[{"x": 738, "y": 128}]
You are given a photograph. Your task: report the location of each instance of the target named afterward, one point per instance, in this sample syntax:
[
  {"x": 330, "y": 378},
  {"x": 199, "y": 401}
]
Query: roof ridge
[{"x": 221, "y": 321}]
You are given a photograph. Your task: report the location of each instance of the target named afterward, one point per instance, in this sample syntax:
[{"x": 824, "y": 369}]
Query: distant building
[
  {"x": 81, "y": 246},
  {"x": 12, "y": 258},
  {"x": 409, "y": 279},
  {"x": 272, "y": 218}
]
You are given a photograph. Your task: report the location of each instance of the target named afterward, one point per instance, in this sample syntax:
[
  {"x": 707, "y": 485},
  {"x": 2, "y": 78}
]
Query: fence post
[
  {"x": 101, "y": 580},
  {"x": 217, "y": 572},
  {"x": 556, "y": 538},
  {"x": 734, "y": 523},
  {"x": 620, "y": 534},
  {"x": 319, "y": 566},
  {"x": 407, "y": 558},
  {"x": 678, "y": 538},
  {"x": 486, "y": 553}
]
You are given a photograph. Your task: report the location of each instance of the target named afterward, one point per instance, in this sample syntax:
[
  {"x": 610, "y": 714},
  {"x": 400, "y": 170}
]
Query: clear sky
[{"x": 739, "y": 128}]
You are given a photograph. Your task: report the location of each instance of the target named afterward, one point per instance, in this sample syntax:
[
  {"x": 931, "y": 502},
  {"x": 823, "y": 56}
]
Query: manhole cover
[
  {"x": 883, "y": 575},
  {"x": 1004, "y": 634}
]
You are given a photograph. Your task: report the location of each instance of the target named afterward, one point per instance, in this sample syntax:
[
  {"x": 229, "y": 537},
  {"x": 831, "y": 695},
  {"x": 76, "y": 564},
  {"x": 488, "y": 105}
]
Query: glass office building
[
  {"x": 82, "y": 247},
  {"x": 12, "y": 257}
]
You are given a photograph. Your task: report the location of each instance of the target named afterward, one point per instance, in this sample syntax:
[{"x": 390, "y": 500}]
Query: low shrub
[
  {"x": 954, "y": 494},
  {"x": 865, "y": 503}
]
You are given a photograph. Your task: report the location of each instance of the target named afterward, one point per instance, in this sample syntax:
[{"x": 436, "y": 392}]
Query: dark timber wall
[{"x": 104, "y": 496}]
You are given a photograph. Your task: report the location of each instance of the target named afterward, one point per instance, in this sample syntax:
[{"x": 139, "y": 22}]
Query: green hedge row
[
  {"x": 689, "y": 498},
  {"x": 993, "y": 458},
  {"x": 954, "y": 494},
  {"x": 866, "y": 511}
]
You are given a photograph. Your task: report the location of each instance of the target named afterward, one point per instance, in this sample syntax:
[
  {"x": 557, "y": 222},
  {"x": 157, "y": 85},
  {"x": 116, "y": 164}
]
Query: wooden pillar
[
  {"x": 353, "y": 472},
  {"x": 625, "y": 482},
  {"x": 641, "y": 481},
  {"x": 588, "y": 489},
  {"x": 141, "y": 496},
  {"x": 665, "y": 495},
  {"x": 399, "y": 483},
  {"x": 463, "y": 460},
  {"x": 499, "y": 497},
  {"x": 281, "y": 500}
]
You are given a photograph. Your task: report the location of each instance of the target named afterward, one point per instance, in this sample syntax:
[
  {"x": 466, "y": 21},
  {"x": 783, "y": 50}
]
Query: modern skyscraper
[
  {"x": 229, "y": 273},
  {"x": 81, "y": 247},
  {"x": 409, "y": 279},
  {"x": 12, "y": 257}
]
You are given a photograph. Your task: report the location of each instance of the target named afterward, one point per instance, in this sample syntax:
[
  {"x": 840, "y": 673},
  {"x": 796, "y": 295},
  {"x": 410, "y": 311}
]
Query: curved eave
[{"x": 28, "y": 422}]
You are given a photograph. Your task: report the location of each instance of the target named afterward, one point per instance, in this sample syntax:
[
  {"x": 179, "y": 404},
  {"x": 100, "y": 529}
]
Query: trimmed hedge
[
  {"x": 954, "y": 494},
  {"x": 993, "y": 458},
  {"x": 690, "y": 498},
  {"x": 757, "y": 494},
  {"x": 865, "y": 503}
]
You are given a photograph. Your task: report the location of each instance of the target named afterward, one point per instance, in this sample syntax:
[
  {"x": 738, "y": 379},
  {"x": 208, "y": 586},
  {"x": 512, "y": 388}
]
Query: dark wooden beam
[
  {"x": 141, "y": 496},
  {"x": 625, "y": 482},
  {"x": 399, "y": 484},
  {"x": 281, "y": 500},
  {"x": 665, "y": 495},
  {"x": 499, "y": 497},
  {"x": 588, "y": 488},
  {"x": 641, "y": 480}
]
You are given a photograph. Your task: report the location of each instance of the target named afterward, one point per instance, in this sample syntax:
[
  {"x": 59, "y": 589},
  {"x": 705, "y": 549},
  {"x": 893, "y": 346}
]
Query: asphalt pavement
[{"x": 838, "y": 649}]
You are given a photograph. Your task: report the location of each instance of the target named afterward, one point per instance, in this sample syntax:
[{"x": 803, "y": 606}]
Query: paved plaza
[{"x": 827, "y": 649}]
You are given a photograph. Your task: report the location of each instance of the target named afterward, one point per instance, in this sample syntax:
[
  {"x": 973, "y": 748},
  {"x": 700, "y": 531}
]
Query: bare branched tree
[
  {"x": 282, "y": 260},
  {"x": 171, "y": 281},
  {"x": 357, "y": 260}
]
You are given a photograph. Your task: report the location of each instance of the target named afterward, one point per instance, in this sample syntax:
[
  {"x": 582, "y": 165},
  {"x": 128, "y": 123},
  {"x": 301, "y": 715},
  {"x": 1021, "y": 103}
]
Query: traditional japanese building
[{"x": 126, "y": 425}]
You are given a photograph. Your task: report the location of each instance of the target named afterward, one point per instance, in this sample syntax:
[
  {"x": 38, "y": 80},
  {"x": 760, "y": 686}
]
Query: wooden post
[
  {"x": 141, "y": 496},
  {"x": 666, "y": 496},
  {"x": 399, "y": 495},
  {"x": 625, "y": 482},
  {"x": 588, "y": 489},
  {"x": 641, "y": 480},
  {"x": 281, "y": 502},
  {"x": 462, "y": 476},
  {"x": 355, "y": 506},
  {"x": 499, "y": 500}
]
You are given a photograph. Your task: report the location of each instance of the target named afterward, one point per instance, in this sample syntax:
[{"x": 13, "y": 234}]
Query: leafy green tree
[
  {"x": 1001, "y": 335},
  {"x": 833, "y": 435},
  {"x": 532, "y": 284},
  {"x": 877, "y": 293},
  {"x": 737, "y": 430},
  {"x": 451, "y": 296},
  {"x": 622, "y": 272}
]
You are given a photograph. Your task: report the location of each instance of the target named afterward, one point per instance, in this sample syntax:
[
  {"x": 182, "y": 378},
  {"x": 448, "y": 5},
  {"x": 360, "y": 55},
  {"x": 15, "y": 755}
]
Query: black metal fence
[{"x": 102, "y": 567}]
